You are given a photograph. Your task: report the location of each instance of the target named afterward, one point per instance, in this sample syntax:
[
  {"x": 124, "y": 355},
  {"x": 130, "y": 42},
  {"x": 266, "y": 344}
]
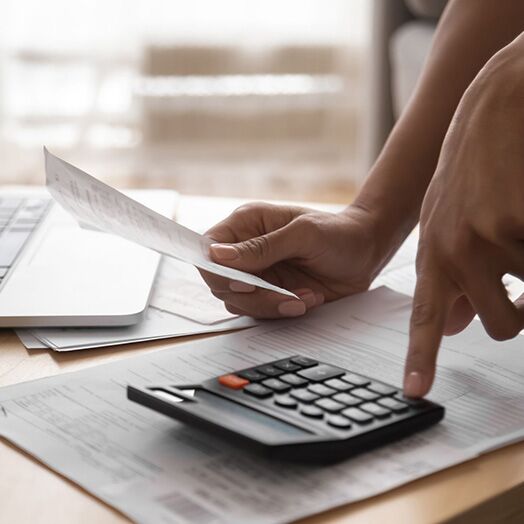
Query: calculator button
[
  {"x": 321, "y": 390},
  {"x": 285, "y": 401},
  {"x": 321, "y": 372},
  {"x": 269, "y": 370},
  {"x": 251, "y": 375},
  {"x": 233, "y": 381},
  {"x": 338, "y": 384},
  {"x": 311, "y": 411},
  {"x": 276, "y": 385},
  {"x": 303, "y": 395},
  {"x": 377, "y": 387},
  {"x": 356, "y": 380},
  {"x": 393, "y": 404},
  {"x": 304, "y": 362},
  {"x": 357, "y": 415},
  {"x": 338, "y": 421},
  {"x": 364, "y": 394},
  {"x": 292, "y": 379},
  {"x": 347, "y": 399},
  {"x": 331, "y": 406},
  {"x": 413, "y": 402},
  {"x": 257, "y": 390},
  {"x": 375, "y": 410},
  {"x": 286, "y": 365}
]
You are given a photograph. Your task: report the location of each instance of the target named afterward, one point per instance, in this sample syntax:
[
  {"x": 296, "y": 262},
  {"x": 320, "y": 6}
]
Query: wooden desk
[{"x": 486, "y": 490}]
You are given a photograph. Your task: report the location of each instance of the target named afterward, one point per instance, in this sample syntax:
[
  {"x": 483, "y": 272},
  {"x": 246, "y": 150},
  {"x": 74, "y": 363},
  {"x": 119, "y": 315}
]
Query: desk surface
[{"x": 487, "y": 489}]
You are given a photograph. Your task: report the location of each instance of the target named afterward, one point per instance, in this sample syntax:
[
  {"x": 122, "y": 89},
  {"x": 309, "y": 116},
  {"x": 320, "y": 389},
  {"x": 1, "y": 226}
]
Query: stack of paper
[{"x": 181, "y": 304}]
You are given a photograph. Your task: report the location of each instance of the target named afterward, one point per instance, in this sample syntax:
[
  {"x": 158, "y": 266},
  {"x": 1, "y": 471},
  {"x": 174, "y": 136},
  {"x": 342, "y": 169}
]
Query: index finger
[{"x": 434, "y": 296}]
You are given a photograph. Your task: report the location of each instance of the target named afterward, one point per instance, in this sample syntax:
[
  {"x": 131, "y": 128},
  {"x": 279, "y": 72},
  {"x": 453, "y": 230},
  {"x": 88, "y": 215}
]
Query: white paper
[
  {"x": 156, "y": 325},
  {"x": 156, "y": 470},
  {"x": 101, "y": 207},
  {"x": 29, "y": 340},
  {"x": 179, "y": 289}
]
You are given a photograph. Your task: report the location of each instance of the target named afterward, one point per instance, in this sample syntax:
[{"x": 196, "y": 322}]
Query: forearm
[{"x": 469, "y": 33}]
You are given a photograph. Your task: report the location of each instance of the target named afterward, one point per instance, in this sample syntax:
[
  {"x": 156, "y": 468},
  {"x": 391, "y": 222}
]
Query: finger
[
  {"x": 460, "y": 316},
  {"x": 500, "y": 317},
  {"x": 434, "y": 295},
  {"x": 251, "y": 220},
  {"x": 215, "y": 282},
  {"x": 266, "y": 304},
  {"x": 259, "y": 253},
  {"x": 233, "y": 310}
]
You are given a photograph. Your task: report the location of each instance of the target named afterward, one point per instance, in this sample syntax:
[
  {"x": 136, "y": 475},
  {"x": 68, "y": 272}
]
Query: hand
[
  {"x": 319, "y": 256},
  {"x": 472, "y": 223}
]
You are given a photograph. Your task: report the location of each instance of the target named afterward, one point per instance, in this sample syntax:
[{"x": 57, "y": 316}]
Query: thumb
[{"x": 258, "y": 253}]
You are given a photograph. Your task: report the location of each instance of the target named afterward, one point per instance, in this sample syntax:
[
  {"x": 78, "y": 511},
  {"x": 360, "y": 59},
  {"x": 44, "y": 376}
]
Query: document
[
  {"x": 179, "y": 289},
  {"x": 154, "y": 469},
  {"x": 156, "y": 325},
  {"x": 103, "y": 208}
]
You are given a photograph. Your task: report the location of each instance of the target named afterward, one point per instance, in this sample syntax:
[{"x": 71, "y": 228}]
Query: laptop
[{"x": 55, "y": 273}]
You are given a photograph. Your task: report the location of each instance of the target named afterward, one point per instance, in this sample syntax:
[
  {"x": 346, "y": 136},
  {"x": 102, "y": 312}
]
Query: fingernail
[
  {"x": 241, "y": 287},
  {"x": 224, "y": 251},
  {"x": 308, "y": 297},
  {"x": 292, "y": 308},
  {"x": 413, "y": 385},
  {"x": 319, "y": 299}
]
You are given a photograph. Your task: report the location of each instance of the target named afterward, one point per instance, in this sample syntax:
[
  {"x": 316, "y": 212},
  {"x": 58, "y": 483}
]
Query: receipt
[{"x": 102, "y": 207}]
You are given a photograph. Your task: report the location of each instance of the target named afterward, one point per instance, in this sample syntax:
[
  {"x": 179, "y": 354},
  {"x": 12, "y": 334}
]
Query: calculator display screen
[{"x": 242, "y": 417}]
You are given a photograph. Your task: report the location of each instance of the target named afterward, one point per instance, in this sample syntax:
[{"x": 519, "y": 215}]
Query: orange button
[{"x": 233, "y": 381}]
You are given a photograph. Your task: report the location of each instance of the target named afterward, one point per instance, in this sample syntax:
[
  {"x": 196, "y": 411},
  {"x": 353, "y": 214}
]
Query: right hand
[{"x": 318, "y": 256}]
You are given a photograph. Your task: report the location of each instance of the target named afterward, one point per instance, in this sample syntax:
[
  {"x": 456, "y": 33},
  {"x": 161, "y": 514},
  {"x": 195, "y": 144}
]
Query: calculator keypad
[
  {"x": 276, "y": 385},
  {"x": 329, "y": 394}
]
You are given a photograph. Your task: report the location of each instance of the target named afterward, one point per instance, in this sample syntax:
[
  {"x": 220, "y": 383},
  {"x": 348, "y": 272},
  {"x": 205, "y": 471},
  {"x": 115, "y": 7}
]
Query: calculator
[{"x": 296, "y": 409}]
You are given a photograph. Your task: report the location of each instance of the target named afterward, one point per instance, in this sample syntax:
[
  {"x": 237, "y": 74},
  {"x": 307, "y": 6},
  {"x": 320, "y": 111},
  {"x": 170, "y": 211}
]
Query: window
[{"x": 208, "y": 96}]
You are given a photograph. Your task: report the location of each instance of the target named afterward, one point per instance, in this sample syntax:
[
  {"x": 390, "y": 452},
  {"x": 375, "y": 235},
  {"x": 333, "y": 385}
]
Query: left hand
[{"x": 472, "y": 222}]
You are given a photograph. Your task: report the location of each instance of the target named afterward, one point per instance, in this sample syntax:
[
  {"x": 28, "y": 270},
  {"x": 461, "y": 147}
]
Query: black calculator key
[
  {"x": 312, "y": 412},
  {"x": 286, "y": 365},
  {"x": 357, "y": 415},
  {"x": 339, "y": 422},
  {"x": 304, "y": 362},
  {"x": 365, "y": 394},
  {"x": 382, "y": 389},
  {"x": 321, "y": 390},
  {"x": 321, "y": 372},
  {"x": 347, "y": 399},
  {"x": 393, "y": 404},
  {"x": 276, "y": 385},
  {"x": 258, "y": 390},
  {"x": 338, "y": 384},
  {"x": 413, "y": 402},
  {"x": 293, "y": 380},
  {"x": 303, "y": 395},
  {"x": 329, "y": 405},
  {"x": 251, "y": 374},
  {"x": 375, "y": 410},
  {"x": 356, "y": 380},
  {"x": 269, "y": 370},
  {"x": 285, "y": 401}
]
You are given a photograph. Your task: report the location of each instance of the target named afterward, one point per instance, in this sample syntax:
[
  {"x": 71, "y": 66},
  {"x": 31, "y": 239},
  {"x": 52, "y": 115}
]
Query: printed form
[
  {"x": 99, "y": 206},
  {"x": 154, "y": 469}
]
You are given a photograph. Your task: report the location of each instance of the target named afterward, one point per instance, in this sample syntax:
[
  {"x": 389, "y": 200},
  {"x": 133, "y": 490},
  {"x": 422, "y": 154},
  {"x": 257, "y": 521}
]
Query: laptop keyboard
[{"x": 19, "y": 218}]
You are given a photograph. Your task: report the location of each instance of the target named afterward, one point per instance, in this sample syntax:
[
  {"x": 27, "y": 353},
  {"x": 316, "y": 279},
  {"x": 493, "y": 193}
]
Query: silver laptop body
[{"x": 55, "y": 273}]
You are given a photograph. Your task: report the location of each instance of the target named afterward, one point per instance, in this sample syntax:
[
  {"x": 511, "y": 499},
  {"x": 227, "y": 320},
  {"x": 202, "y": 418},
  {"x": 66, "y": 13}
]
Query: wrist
[{"x": 385, "y": 235}]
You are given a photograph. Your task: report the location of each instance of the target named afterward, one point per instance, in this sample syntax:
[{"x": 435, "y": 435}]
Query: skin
[
  {"x": 472, "y": 220},
  {"x": 324, "y": 256}
]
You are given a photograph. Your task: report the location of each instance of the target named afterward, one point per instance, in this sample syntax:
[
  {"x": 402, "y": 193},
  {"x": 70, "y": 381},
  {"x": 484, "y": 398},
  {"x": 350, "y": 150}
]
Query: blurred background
[{"x": 218, "y": 97}]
